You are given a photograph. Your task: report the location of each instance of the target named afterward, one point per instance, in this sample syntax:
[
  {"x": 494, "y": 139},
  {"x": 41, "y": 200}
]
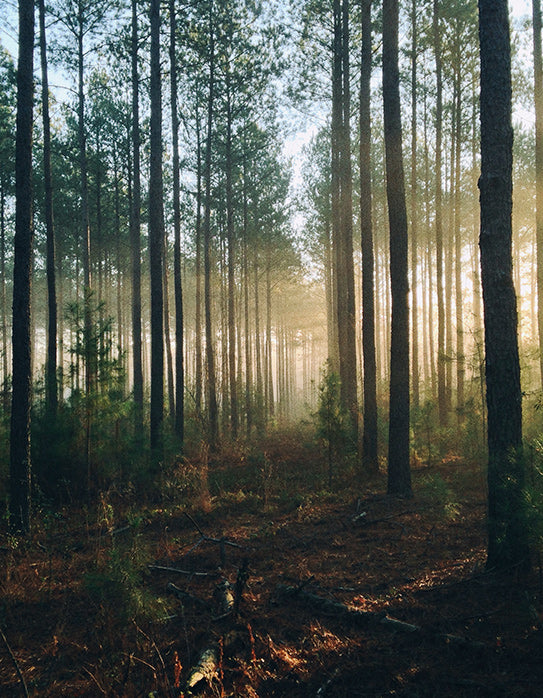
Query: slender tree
[
  {"x": 538, "y": 100},
  {"x": 369, "y": 444},
  {"x": 506, "y": 533},
  {"x": 210, "y": 354},
  {"x": 441, "y": 385},
  {"x": 342, "y": 223},
  {"x": 156, "y": 240},
  {"x": 135, "y": 233},
  {"x": 20, "y": 463},
  {"x": 178, "y": 289},
  {"x": 399, "y": 474},
  {"x": 51, "y": 391}
]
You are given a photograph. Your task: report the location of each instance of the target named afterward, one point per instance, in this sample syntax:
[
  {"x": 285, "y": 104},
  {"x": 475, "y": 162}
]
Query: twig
[
  {"x": 93, "y": 677},
  {"x": 15, "y": 664},
  {"x": 185, "y": 597},
  {"x": 189, "y": 573},
  {"x": 163, "y": 665},
  {"x": 193, "y": 522},
  {"x": 369, "y": 522},
  {"x": 220, "y": 541}
]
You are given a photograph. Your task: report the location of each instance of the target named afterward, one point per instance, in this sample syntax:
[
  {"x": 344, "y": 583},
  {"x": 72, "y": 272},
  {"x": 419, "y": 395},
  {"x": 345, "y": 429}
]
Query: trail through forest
[{"x": 343, "y": 593}]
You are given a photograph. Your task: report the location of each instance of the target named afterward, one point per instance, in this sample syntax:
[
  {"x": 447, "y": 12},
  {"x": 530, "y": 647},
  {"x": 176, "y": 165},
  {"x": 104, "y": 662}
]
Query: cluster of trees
[
  {"x": 437, "y": 267},
  {"x": 163, "y": 219}
]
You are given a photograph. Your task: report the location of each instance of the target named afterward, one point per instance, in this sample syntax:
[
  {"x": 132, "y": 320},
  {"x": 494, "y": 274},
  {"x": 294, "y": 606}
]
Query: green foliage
[
  {"x": 439, "y": 494},
  {"x": 95, "y": 420},
  {"x": 332, "y": 420},
  {"x": 533, "y": 493},
  {"x": 116, "y": 584}
]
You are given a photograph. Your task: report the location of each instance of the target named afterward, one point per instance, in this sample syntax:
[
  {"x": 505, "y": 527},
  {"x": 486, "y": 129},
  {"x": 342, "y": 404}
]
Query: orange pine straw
[
  {"x": 252, "y": 639},
  {"x": 177, "y": 667}
]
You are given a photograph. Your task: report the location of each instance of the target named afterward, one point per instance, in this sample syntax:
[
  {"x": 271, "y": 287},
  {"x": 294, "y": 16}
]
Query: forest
[{"x": 271, "y": 348}]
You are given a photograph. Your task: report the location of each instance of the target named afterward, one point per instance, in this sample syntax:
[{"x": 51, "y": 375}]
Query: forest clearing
[{"x": 89, "y": 608}]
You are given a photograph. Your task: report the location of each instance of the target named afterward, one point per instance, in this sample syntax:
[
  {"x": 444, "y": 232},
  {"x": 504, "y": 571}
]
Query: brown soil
[{"x": 82, "y": 614}]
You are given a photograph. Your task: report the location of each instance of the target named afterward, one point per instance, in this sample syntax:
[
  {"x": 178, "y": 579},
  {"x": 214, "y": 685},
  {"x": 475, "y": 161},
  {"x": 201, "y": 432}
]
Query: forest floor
[{"x": 84, "y": 611}]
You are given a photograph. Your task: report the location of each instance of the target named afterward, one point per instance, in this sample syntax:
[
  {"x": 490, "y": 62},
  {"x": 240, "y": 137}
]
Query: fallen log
[
  {"x": 368, "y": 618},
  {"x": 328, "y": 606},
  {"x": 225, "y": 599},
  {"x": 205, "y": 669}
]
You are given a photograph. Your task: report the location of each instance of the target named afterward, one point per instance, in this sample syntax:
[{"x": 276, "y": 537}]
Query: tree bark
[
  {"x": 441, "y": 387},
  {"x": 20, "y": 459},
  {"x": 399, "y": 474},
  {"x": 179, "y": 422},
  {"x": 51, "y": 392},
  {"x": 369, "y": 439},
  {"x": 506, "y": 533},
  {"x": 156, "y": 245},
  {"x": 538, "y": 103},
  {"x": 210, "y": 358},
  {"x": 135, "y": 236}
]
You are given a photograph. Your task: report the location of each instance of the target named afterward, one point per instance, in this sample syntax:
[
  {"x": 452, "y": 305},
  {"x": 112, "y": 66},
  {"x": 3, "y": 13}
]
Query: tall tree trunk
[
  {"x": 248, "y": 343},
  {"x": 167, "y": 337},
  {"x": 270, "y": 398},
  {"x": 198, "y": 273},
  {"x": 399, "y": 474},
  {"x": 415, "y": 368},
  {"x": 210, "y": 358},
  {"x": 20, "y": 461},
  {"x": 135, "y": 236},
  {"x": 343, "y": 234},
  {"x": 231, "y": 262},
  {"x": 441, "y": 387},
  {"x": 506, "y": 527},
  {"x": 51, "y": 393},
  {"x": 3, "y": 300},
  {"x": 156, "y": 244},
  {"x": 369, "y": 443},
  {"x": 90, "y": 354},
  {"x": 538, "y": 101},
  {"x": 348, "y": 368},
  {"x": 259, "y": 406},
  {"x": 335, "y": 184},
  {"x": 179, "y": 423},
  {"x": 460, "y": 358}
]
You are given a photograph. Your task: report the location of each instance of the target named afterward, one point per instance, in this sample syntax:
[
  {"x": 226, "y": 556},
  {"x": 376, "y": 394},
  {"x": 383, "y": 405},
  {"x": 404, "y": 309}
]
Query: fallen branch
[
  {"x": 328, "y": 606},
  {"x": 185, "y": 597},
  {"x": 22, "y": 681},
  {"x": 221, "y": 542},
  {"x": 367, "y": 618},
  {"x": 361, "y": 518},
  {"x": 205, "y": 669},
  {"x": 189, "y": 573}
]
